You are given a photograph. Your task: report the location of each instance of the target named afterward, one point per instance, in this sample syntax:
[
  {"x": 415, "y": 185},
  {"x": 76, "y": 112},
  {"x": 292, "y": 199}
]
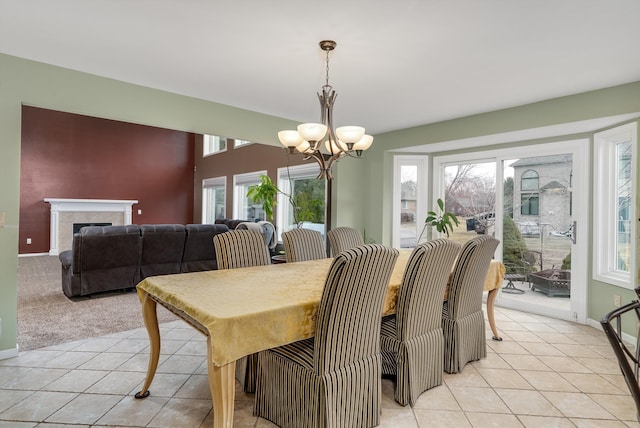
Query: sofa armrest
[{"x": 66, "y": 257}]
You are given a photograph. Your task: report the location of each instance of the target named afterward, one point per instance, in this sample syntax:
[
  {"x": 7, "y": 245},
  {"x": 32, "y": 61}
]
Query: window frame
[
  {"x": 212, "y": 183},
  {"x": 529, "y": 196},
  {"x": 308, "y": 170},
  {"x": 605, "y": 205},
  {"x": 245, "y": 179},
  {"x": 208, "y": 147},
  {"x": 525, "y": 179},
  {"x": 237, "y": 143}
]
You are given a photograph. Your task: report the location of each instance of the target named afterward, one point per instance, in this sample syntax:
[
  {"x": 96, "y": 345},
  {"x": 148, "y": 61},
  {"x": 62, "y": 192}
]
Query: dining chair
[
  {"x": 412, "y": 341},
  {"x": 237, "y": 249},
  {"x": 333, "y": 379},
  {"x": 343, "y": 238},
  {"x": 240, "y": 248},
  {"x": 462, "y": 315},
  {"x": 303, "y": 244}
]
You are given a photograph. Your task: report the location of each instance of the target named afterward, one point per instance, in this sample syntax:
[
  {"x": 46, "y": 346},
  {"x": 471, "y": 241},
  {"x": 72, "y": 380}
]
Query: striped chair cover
[
  {"x": 411, "y": 341},
  {"x": 334, "y": 378},
  {"x": 343, "y": 238},
  {"x": 238, "y": 249},
  {"x": 303, "y": 244},
  {"x": 241, "y": 248},
  {"x": 462, "y": 316}
]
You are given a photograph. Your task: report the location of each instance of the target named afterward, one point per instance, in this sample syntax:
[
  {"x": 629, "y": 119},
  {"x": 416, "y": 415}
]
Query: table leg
[
  {"x": 151, "y": 322},
  {"x": 491, "y": 297},
  {"x": 222, "y": 383}
]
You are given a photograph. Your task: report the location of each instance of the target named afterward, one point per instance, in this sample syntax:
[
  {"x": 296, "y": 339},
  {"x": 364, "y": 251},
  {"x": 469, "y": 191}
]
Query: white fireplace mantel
[{"x": 83, "y": 205}]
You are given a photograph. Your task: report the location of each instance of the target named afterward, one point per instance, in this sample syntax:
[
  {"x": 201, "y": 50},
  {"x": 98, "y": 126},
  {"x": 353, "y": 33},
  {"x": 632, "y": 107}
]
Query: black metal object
[{"x": 627, "y": 360}]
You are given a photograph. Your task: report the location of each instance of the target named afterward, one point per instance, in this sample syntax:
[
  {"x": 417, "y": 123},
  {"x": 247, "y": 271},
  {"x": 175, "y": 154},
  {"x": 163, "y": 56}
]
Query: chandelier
[{"x": 308, "y": 139}]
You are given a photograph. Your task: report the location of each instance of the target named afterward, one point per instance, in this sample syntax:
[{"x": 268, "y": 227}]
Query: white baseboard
[
  {"x": 9, "y": 353},
  {"x": 33, "y": 254}
]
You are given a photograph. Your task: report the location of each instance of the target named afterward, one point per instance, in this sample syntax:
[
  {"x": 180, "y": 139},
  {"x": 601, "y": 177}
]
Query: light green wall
[
  {"x": 377, "y": 179},
  {"x": 362, "y": 188},
  {"x": 36, "y": 84}
]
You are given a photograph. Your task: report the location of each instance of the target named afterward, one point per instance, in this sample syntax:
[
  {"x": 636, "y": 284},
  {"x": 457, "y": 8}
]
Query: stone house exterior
[{"x": 542, "y": 194}]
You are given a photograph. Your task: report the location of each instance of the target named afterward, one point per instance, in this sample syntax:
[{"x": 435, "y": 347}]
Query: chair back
[
  {"x": 241, "y": 248},
  {"x": 303, "y": 244},
  {"x": 343, "y": 238},
  {"x": 467, "y": 279},
  {"x": 348, "y": 323},
  {"x": 627, "y": 358},
  {"x": 419, "y": 307}
]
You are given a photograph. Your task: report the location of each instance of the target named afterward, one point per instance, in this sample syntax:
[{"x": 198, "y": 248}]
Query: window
[
  {"x": 240, "y": 143},
  {"x": 243, "y": 207},
  {"x": 409, "y": 200},
  {"x": 614, "y": 184},
  {"x": 307, "y": 194},
  {"x": 213, "y": 199},
  {"x": 529, "y": 180},
  {"x": 212, "y": 144},
  {"x": 529, "y": 204}
]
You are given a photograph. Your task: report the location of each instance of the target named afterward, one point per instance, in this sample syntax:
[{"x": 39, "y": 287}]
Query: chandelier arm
[{"x": 319, "y": 158}]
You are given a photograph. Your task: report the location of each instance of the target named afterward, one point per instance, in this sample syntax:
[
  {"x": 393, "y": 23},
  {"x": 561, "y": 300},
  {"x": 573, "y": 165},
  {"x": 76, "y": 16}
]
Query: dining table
[{"x": 247, "y": 310}]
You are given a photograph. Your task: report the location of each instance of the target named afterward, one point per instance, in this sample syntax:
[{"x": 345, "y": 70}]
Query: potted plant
[
  {"x": 264, "y": 193},
  {"x": 442, "y": 221}
]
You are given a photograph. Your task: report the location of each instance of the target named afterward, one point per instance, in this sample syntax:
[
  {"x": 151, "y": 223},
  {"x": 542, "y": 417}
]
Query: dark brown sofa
[{"x": 108, "y": 258}]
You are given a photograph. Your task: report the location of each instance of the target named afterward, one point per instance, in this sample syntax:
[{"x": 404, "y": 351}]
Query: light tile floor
[{"x": 545, "y": 373}]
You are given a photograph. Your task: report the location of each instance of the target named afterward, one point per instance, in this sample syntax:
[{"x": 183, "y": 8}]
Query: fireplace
[
  {"x": 78, "y": 226},
  {"x": 66, "y": 213}
]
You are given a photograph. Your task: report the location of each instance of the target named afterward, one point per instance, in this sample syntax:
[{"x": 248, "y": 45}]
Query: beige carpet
[{"x": 47, "y": 317}]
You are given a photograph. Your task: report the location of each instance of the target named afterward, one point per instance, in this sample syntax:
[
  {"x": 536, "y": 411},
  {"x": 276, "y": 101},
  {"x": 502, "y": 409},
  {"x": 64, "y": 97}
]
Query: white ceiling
[{"x": 398, "y": 63}]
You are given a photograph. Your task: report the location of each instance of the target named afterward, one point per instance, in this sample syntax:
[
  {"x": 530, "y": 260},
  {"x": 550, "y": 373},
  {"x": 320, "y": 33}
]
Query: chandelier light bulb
[
  {"x": 364, "y": 143},
  {"x": 350, "y": 134},
  {"x": 334, "y": 148},
  {"x": 312, "y": 131},
  {"x": 303, "y": 147},
  {"x": 290, "y": 138}
]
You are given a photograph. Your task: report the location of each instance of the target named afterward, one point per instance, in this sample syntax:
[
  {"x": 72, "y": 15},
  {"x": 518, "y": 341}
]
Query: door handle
[{"x": 573, "y": 232}]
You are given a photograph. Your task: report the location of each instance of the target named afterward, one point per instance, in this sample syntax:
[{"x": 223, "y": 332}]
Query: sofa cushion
[
  {"x": 162, "y": 248},
  {"x": 108, "y": 258},
  {"x": 199, "y": 253}
]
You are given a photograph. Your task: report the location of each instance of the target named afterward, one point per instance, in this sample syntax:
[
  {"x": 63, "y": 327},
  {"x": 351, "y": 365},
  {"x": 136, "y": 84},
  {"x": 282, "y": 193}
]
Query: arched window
[{"x": 529, "y": 180}]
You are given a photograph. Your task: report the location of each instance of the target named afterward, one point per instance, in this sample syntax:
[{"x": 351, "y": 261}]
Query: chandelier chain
[{"x": 327, "y": 69}]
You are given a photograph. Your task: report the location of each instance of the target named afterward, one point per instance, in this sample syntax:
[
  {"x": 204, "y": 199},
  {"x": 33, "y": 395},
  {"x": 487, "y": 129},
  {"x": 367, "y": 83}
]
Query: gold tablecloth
[{"x": 252, "y": 309}]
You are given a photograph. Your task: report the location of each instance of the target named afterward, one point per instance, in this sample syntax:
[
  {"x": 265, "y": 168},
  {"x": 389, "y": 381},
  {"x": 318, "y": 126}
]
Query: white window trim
[
  {"x": 238, "y": 143},
  {"x": 421, "y": 162},
  {"x": 240, "y": 180},
  {"x": 205, "y": 144},
  {"x": 211, "y": 182},
  {"x": 298, "y": 171},
  {"x": 604, "y": 208}
]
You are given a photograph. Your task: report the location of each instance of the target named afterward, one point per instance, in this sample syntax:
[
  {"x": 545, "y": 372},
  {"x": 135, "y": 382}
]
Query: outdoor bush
[{"x": 513, "y": 246}]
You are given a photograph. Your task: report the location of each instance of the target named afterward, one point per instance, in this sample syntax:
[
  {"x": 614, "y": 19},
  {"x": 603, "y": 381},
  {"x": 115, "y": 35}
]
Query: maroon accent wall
[{"x": 65, "y": 155}]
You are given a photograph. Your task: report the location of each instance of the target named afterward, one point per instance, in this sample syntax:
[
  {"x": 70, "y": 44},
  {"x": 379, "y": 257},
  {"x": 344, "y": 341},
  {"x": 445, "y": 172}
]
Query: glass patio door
[
  {"x": 538, "y": 231},
  {"x": 532, "y": 204}
]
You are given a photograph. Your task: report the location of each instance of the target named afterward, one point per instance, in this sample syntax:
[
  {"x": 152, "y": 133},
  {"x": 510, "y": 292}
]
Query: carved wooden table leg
[
  {"x": 222, "y": 383},
  {"x": 151, "y": 322},
  {"x": 491, "y": 297}
]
